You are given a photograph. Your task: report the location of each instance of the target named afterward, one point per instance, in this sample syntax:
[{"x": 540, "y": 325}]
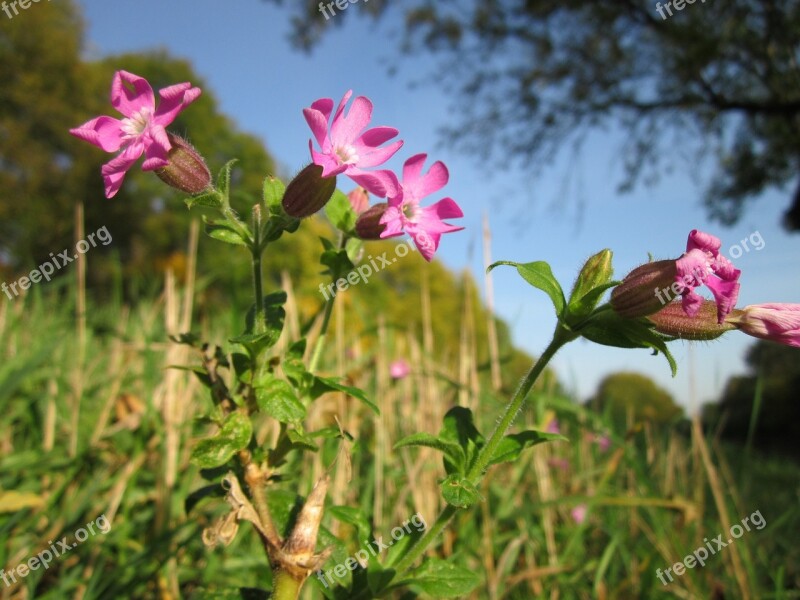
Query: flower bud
[
  {"x": 775, "y": 322},
  {"x": 308, "y": 192},
  {"x": 368, "y": 225},
  {"x": 359, "y": 200},
  {"x": 596, "y": 272},
  {"x": 186, "y": 171},
  {"x": 639, "y": 294},
  {"x": 674, "y": 322}
]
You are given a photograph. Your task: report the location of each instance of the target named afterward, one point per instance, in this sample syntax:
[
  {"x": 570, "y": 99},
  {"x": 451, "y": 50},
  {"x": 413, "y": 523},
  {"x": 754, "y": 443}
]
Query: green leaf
[
  {"x": 353, "y": 516},
  {"x": 511, "y": 446},
  {"x": 540, "y": 276},
  {"x": 609, "y": 329},
  {"x": 301, "y": 440},
  {"x": 224, "y": 180},
  {"x": 338, "y": 263},
  {"x": 277, "y": 398},
  {"x": 340, "y": 212},
  {"x": 458, "y": 427},
  {"x": 213, "y": 490},
  {"x": 328, "y": 384},
  {"x": 209, "y": 199},
  {"x": 200, "y": 372},
  {"x": 354, "y": 248},
  {"x": 217, "y": 450},
  {"x": 255, "y": 343},
  {"x": 378, "y": 577},
  {"x": 441, "y": 579},
  {"x": 273, "y": 194},
  {"x": 460, "y": 491},
  {"x": 580, "y": 308},
  {"x": 449, "y": 448},
  {"x": 224, "y": 232}
]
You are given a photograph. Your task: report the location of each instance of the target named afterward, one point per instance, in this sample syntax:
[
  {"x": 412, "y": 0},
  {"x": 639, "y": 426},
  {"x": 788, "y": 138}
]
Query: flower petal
[
  {"x": 114, "y": 171},
  {"x": 347, "y": 128},
  {"x": 418, "y": 185},
  {"x": 173, "y": 100},
  {"x": 130, "y": 101},
  {"x": 381, "y": 183},
  {"x": 104, "y": 132},
  {"x": 725, "y": 293},
  {"x": 318, "y": 123},
  {"x": 703, "y": 241},
  {"x": 330, "y": 166}
]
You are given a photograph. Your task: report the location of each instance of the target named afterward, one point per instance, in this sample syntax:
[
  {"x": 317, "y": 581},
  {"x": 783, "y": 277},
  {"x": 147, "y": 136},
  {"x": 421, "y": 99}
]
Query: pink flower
[
  {"x": 776, "y": 322},
  {"x": 579, "y": 513},
  {"x": 142, "y": 131},
  {"x": 696, "y": 267},
  {"x": 603, "y": 442},
  {"x": 424, "y": 225},
  {"x": 553, "y": 427},
  {"x": 399, "y": 369},
  {"x": 345, "y": 149}
]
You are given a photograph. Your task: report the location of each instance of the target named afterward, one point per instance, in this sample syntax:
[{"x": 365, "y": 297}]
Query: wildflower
[
  {"x": 424, "y": 225},
  {"x": 603, "y": 442},
  {"x": 776, "y": 322},
  {"x": 553, "y": 427},
  {"x": 399, "y": 369},
  {"x": 142, "y": 131},
  {"x": 696, "y": 267},
  {"x": 345, "y": 149},
  {"x": 578, "y": 513},
  {"x": 640, "y": 293}
]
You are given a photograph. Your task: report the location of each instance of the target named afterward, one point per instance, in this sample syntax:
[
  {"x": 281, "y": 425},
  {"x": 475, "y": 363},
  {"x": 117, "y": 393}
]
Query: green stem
[
  {"x": 258, "y": 289},
  {"x": 476, "y": 473},
  {"x": 560, "y": 338},
  {"x": 442, "y": 521},
  {"x": 284, "y": 586},
  {"x": 326, "y": 319}
]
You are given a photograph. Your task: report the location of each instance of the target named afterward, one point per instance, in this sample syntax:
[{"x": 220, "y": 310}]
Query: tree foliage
[
  {"x": 637, "y": 396},
  {"x": 774, "y": 374},
  {"x": 717, "y": 79}
]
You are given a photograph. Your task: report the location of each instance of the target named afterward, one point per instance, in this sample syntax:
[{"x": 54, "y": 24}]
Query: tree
[
  {"x": 44, "y": 171},
  {"x": 531, "y": 76},
  {"x": 624, "y": 394},
  {"x": 777, "y": 422}
]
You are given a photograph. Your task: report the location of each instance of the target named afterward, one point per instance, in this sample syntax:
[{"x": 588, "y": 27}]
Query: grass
[{"x": 93, "y": 422}]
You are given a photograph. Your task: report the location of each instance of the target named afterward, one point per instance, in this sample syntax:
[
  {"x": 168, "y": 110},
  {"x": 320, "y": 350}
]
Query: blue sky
[{"x": 242, "y": 52}]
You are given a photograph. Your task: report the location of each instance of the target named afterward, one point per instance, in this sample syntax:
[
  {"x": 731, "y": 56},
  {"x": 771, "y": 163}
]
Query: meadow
[{"x": 95, "y": 421}]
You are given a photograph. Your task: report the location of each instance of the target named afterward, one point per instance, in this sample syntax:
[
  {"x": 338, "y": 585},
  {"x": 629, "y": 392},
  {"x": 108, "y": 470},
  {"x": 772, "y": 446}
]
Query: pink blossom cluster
[{"x": 346, "y": 148}]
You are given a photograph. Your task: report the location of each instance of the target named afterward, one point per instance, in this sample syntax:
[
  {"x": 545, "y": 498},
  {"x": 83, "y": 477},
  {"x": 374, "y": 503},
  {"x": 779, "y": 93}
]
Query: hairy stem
[{"x": 478, "y": 469}]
